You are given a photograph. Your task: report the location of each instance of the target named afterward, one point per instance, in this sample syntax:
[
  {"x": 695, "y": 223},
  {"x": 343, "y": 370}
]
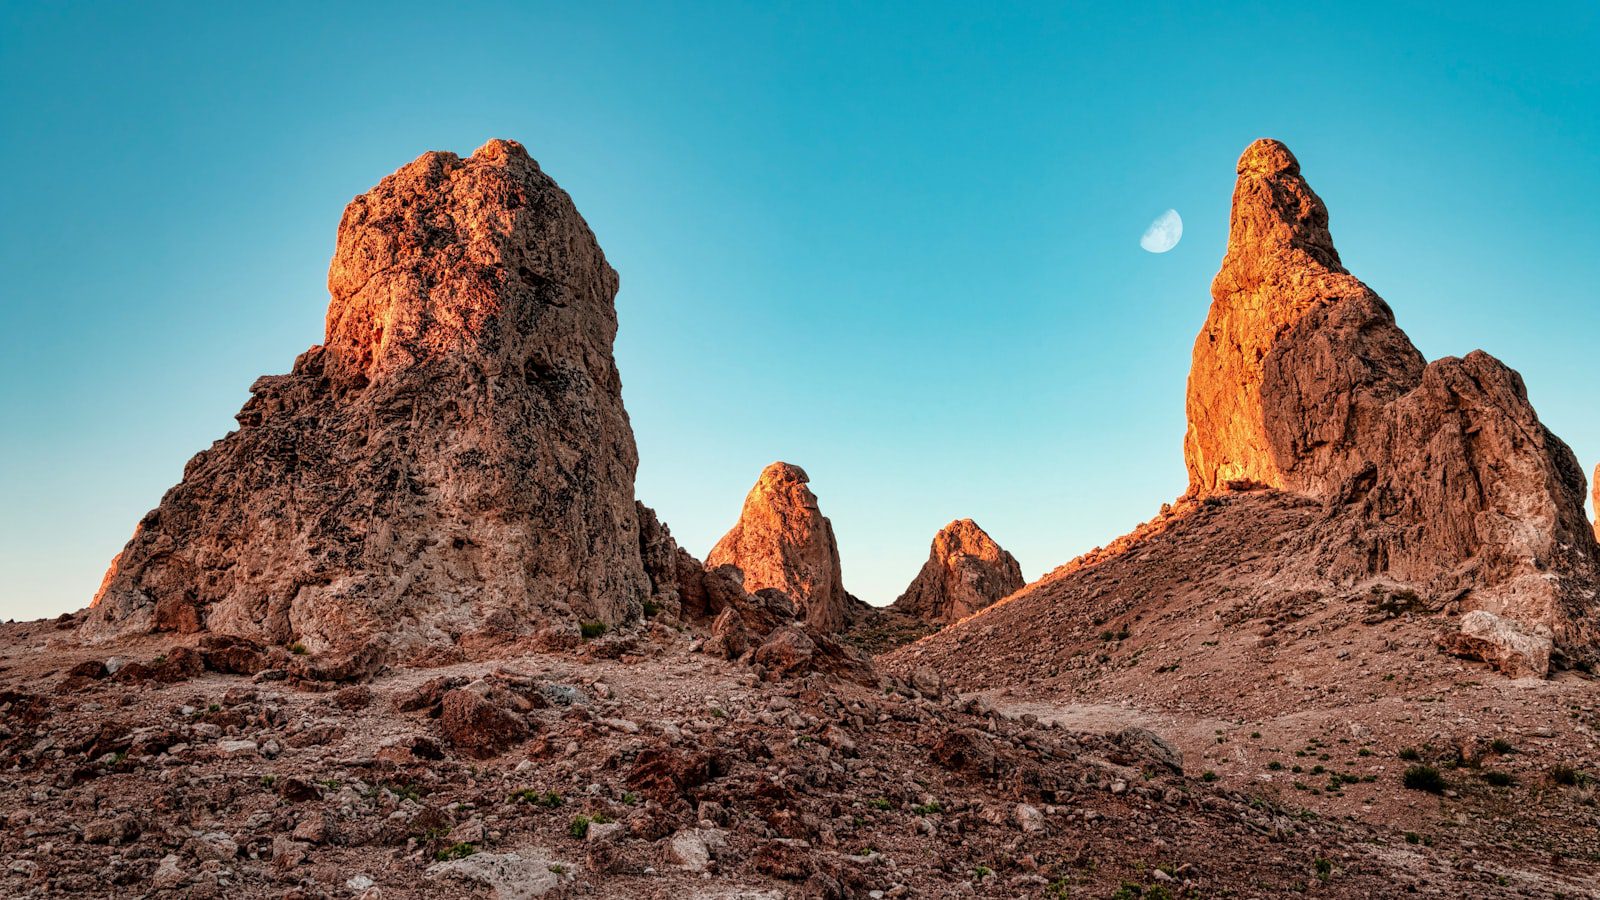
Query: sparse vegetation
[
  {"x": 591, "y": 630},
  {"x": 932, "y": 807},
  {"x": 1410, "y": 754},
  {"x": 1498, "y": 778},
  {"x": 297, "y": 648},
  {"x": 547, "y": 799},
  {"x": 1423, "y": 778},
  {"x": 456, "y": 851}
]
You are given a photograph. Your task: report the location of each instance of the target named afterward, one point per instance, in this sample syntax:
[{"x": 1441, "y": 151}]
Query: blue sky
[{"x": 896, "y": 246}]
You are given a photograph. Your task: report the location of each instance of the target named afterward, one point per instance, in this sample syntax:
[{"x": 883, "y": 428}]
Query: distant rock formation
[
  {"x": 1302, "y": 381},
  {"x": 966, "y": 571},
  {"x": 1595, "y": 487},
  {"x": 453, "y": 458},
  {"x": 782, "y": 541}
]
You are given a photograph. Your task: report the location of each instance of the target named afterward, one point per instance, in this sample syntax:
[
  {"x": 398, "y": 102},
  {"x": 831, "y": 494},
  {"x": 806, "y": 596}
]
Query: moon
[{"x": 1164, "y": 233}]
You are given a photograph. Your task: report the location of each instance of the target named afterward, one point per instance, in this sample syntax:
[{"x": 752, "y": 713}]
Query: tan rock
[
  {"x": 1302, "y": 381},
  {"x": 782, "y": 541},
  {"x": 1594, "y": 486},
  {"x": 1499, "y": 642},
  {"x": 455, "y": 456},
  {"x": 965, "y": 572}
]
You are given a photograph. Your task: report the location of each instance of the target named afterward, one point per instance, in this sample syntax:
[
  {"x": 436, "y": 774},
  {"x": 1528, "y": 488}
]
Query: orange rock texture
[
  {"x": 782, "y": 541},
  {"x": 454, "y": 457},
  {"x": 1302, "y": 381},
  {"x": 966, "y": 571}
]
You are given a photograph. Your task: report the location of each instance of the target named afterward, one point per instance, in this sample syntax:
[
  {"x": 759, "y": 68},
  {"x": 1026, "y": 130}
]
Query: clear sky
[{"x": 898, "y": 247}]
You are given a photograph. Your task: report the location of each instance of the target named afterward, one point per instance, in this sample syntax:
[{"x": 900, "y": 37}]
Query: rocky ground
[
  {"x": 1211, "y": 626},
  {"x": 632, "y": 766}
]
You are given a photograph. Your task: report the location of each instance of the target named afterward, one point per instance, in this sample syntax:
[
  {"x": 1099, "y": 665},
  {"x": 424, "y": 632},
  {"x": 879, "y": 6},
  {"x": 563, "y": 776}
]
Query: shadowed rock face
[
  {"x": 455, "y": 456},
  {"x": 784, "y": 542},
  {"x": 966, "y": 571},
  {"x": 1302, "y": 381}
]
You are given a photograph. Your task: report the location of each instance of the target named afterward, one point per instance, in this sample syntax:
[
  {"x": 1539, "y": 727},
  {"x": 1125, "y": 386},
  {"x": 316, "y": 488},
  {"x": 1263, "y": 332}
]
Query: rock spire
[
  {"x": 454, "y": 457},
  {"x": 965, "y": 572},
  {"x": 1302, "y": 381},
  {"x": 783, "y": 541}
]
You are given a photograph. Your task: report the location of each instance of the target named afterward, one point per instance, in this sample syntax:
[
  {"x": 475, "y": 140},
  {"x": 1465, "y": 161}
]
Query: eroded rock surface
[
  {"x": 782, "y": 541},
  {"x": 1302, "y": 381},
  {"x": 966, "y": 571},
  {"x": 454, "y": 457}
]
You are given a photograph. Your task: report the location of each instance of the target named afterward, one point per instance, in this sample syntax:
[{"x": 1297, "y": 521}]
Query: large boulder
[
  {"x": 965, "y": 572},
  {"x": 455, "y": 456},
  {"x": 783, "y": 542},
  {"x": 1302, "y": 381}
]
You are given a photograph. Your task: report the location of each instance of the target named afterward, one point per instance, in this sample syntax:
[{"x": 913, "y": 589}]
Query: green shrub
[
  {"x": 297, "y": 648},
  {"x": 1424, "y": 778},
  {"x": 456, "y": 851},
  {"x": 547, "y": 799},
  {"x": 1499, "y": 779},
  {"x": 591, "y": 630},
  {"x": 1410, "y": 754}
]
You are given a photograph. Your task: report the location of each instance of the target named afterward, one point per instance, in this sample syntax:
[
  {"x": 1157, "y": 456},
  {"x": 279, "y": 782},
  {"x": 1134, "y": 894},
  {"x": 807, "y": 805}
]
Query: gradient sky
[{"x": 897, "y": 247}]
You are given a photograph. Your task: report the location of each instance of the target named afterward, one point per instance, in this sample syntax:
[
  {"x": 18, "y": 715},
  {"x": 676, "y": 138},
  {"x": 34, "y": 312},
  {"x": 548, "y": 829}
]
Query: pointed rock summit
[
  {"x": 965, "y": 572},
  {"x": 1302, "y": 381},
  {"x": 454, "y": 457},
  {"x": 783, "y": 541}
]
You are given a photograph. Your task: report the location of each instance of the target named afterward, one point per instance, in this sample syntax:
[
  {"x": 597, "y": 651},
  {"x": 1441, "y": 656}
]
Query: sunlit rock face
[
  {"x": 965, "y": 572},
  {"x": 454, "y": 457},
  {"x": 784, "y": 542},
  {"x": 1301, "y": 380},
  {"x": 1595, "y": 486}
]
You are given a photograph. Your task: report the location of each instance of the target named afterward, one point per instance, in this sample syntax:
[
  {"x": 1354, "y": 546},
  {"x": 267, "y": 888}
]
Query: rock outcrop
[
  {"x": 454, "y": 457},
  {"x": 1594, "y": 485},
  {"x": 1302, "y": 381},
  {"x": 966, "y": 571},
  {"x": 783, "y": 542}
]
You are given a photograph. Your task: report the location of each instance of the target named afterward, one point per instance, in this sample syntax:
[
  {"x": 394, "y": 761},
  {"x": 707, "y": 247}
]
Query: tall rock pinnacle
[
  {"x": 1302, "y": 381},
  {"x": 455, "y": 456},
  {"x": 965, "y": 572},
  {"x": 783, "y": 541}
]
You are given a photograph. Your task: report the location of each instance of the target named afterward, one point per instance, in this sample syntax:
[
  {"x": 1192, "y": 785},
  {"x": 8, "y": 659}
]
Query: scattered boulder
[
  {"x": 522, "y": 875},
  {"x": 455, "y": 448},
  {"x": 478, "y": 727},
  {"x": 789, "y": 650},
  {"x": 665, "y": 773},
  {"x": 784, "y": 542},
  {"x": 965, "y": 572},
  {"x": 1500, "y": 642},
  {"x": 1141, "y": 746}
]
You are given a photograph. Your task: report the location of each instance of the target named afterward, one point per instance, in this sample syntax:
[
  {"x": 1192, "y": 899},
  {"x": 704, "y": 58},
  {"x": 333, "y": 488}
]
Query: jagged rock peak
[
  {"x": 455, "y": 458},
  {"x": 1302, "y": 381},
  {"x": 965, "y": 572},
  {"x": 783, "y": 541}
]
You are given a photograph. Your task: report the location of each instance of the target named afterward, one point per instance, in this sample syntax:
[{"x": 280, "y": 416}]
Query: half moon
[{"x": 1164, "y": 233}]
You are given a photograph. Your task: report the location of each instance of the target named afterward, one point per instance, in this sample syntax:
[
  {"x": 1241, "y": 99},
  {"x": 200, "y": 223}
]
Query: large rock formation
[
  {"x": 966, "y": 571},
  {"x": 1302, "y": 381},
  {"x": 454, "y": 457},
  {"x": 1595, "y": 486},
  {"x": 782, "y": 541}
]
